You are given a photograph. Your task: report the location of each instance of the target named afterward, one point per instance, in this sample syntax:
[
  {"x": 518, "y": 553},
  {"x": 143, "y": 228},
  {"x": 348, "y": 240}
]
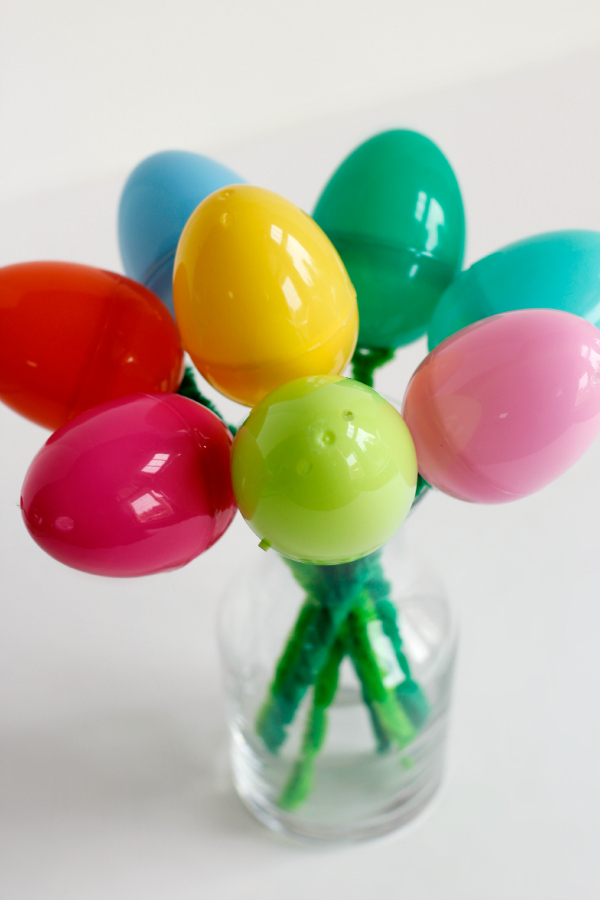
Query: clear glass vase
[{"x": 337, "y": 683}]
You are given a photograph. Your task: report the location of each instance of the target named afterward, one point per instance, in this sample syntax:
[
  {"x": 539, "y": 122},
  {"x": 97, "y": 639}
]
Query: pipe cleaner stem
[
  {"x": 331, "y": 591},
  {"x": 367, "y": 359},
  {"x": 422, "y": 488},
  {"x": 331, "y": 594},
  {"x": 303, "y": 658},
  {"x": 299, "y": 784},
  {"x": 391, "y": 715},
  {"x": 410, "y": 694},
  {"x": 387, "y": 714},
  {"x": 382, "y": 739},
  {"x": 189, "y": 388}
]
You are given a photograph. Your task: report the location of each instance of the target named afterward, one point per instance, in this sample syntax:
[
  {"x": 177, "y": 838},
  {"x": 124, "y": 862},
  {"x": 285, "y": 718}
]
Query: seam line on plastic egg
[
  {"x": 286, "y": 359},
  {"x": 157, "y": 266},
  {"x": 381, "y": 242},
  {"x": 99, "y": 348}
]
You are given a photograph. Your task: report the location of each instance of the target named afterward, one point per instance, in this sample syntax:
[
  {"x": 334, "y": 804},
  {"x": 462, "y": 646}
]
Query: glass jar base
[
  {"x": 338, "y": 728},
  {"x": 381, "y": 792}
]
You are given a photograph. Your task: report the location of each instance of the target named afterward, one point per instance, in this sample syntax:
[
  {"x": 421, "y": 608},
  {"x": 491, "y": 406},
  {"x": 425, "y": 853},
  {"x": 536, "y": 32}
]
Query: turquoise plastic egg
[
  {"x": 394, "y": 213},
  {"x": 558, "y": 270},
  {"x": 158, "y": 198}
]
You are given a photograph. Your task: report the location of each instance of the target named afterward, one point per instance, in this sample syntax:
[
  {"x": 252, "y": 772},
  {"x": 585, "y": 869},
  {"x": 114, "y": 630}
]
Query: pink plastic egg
[
  {"x": 132, "y": 487},
  {"x": 503, "y": 407}
]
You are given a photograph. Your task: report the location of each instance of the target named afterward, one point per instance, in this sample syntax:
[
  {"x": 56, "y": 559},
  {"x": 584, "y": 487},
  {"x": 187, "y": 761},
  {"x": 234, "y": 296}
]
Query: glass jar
[{"x": 337, "y": 683}]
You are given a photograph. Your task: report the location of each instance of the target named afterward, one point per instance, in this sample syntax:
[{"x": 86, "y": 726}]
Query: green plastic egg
[
  {"x": 324, "y": 470},
  {"x": 394, "y": 213}
]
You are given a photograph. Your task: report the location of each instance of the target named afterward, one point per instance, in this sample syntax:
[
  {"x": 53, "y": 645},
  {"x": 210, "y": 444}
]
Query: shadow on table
[{"x": 152, "y": 767}]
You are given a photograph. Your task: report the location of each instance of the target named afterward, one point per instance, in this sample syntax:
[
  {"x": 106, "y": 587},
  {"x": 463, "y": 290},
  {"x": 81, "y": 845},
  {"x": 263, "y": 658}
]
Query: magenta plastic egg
[
  {"x": 505, "y": 406},
  {"x": 132, "y": 487}
]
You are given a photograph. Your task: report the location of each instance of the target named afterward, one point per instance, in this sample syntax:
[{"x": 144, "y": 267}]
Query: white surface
[
  {"x": 113, "y": 776},
  {"x": 90, "y": 87}
]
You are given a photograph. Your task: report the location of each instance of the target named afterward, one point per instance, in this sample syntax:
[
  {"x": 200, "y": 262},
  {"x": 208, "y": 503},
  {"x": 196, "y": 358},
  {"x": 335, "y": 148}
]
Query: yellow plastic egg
[{"x": 261, "y": 295}]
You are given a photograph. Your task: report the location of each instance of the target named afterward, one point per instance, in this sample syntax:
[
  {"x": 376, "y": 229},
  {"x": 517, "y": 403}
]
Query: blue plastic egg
[
  {"x": 557, "y": 270},
  {"x": 158, "y": 198}
]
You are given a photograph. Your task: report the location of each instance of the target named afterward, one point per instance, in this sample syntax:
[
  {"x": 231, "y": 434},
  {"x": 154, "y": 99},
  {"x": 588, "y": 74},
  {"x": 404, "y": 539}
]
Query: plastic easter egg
[
  {"x": 261, "y": 296},
  {"x": 394, "y": 212},
  {"x": 324, "y": 470},
  {"x": 158, "y": 198},
  {"x": 133, "y": 487},
  {"x": 74, "y": 336},
  {"x": 505, "y": 406},
  {"x": 559, "y": 270}
]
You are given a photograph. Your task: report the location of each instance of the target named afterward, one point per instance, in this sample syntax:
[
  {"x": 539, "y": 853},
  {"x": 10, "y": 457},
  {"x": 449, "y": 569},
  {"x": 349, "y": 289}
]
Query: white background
[
  {"x": 113, "y": 774},
  {"x": 91, "y": 86}
]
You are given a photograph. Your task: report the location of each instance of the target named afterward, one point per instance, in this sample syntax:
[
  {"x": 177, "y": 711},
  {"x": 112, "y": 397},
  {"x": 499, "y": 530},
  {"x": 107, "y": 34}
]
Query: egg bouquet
[{"x": 140, "y": 474}]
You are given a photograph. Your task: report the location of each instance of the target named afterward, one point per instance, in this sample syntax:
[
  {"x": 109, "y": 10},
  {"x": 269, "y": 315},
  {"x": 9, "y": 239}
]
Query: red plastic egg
[
  {"x": 73, "y": 336},
  {"x": 132, "y": 487}
]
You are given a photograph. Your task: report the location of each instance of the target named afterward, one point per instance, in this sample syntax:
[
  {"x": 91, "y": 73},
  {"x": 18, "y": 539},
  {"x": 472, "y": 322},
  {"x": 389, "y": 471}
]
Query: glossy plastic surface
[
  {"x": 506, "y": 405},
  {"x": 136, "y": 486},
  {"x": 158, "y": 198},
  {"x": 73, "y": 336},
  {"x": 394, "y": 212},
  {"x": 324, "y": 469},
  {"x": 261, "y": 295},
  {"x": 559, "y": 270}
]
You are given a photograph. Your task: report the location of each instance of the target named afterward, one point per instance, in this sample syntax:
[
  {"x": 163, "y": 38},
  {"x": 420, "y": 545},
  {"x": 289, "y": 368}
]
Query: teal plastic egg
[
  {"x": 394, "y": 212},
  {"x": 558, "y": 270}
]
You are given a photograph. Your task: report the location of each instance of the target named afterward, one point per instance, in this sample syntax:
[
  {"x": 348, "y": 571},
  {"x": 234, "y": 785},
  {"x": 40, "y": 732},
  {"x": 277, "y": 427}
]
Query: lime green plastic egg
[
  {"x": 324, "y": 470},
  {"x": 393, "y": 210}
]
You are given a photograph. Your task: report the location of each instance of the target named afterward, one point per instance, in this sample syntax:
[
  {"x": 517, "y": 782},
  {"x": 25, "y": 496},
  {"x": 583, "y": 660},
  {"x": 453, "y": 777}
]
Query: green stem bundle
[
  {"x": 189, "y": 388},
  {"x": 331, "y": 591},
  {"x": 347, "y": 611},
  {"x": 366, "y": 360}
]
